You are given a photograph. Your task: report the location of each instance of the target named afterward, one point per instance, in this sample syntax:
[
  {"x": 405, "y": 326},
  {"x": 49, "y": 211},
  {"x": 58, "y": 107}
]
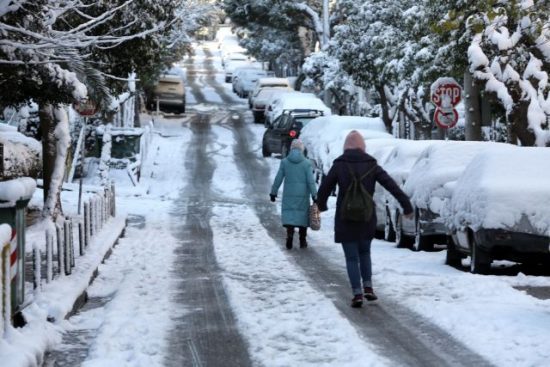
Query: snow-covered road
[{"x": 203, "y": 278}]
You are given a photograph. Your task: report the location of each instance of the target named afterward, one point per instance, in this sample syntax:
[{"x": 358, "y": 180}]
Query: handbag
[{"x": 314, "y": 217}]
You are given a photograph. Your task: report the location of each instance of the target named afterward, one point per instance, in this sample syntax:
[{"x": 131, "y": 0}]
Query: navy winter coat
[
  {"x": 360, "y": 162},
  {"x": 299, "y": 186}
]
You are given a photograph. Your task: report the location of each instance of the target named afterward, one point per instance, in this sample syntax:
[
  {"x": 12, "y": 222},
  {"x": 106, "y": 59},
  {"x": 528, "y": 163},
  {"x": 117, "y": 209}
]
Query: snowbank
[{"x": 499, "y": 188}]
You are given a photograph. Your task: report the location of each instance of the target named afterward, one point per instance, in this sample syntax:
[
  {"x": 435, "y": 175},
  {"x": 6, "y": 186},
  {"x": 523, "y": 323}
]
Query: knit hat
[
  {"x": 354, "y": 140},
  {"x": 297, "y": 144}
]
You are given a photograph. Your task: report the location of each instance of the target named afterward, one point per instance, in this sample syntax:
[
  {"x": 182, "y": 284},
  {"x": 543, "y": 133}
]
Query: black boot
[
  {"x": 289, "y": 237},
  {"x": 303, "y": 233}
]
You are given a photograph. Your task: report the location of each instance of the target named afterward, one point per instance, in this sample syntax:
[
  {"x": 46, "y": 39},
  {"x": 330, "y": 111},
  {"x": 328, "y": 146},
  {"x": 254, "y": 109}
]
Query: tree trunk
[
  {"x": 47, "y": 125},
  {"x": 385, "y": 104},
  {"x": 55, "y": 145},
  {"x": 518, "y": 123},
  {"x": 472, "y": 108}
]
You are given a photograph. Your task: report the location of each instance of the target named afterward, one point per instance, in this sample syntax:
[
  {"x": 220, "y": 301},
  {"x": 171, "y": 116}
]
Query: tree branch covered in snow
[{"x": 509, "y": 56}]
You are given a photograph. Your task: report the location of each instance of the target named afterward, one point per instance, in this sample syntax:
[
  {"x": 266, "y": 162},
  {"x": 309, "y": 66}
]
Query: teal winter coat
[{"x": 299, "y": 186}]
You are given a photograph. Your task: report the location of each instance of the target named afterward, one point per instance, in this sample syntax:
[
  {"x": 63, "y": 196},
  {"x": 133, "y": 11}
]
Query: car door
[{"x": 275, "y": 136}]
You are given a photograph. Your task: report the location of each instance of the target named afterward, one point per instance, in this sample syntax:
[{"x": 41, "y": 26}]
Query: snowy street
[{"x": 202, "y": 277}]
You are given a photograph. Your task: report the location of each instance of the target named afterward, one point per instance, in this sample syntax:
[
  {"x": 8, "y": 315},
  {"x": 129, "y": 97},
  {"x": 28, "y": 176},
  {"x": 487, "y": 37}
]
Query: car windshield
[{"x": 303, "y": 121}]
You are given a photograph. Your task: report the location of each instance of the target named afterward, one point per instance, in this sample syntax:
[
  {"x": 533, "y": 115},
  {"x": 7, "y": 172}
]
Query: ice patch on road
[{"x": 285, "y": 321}]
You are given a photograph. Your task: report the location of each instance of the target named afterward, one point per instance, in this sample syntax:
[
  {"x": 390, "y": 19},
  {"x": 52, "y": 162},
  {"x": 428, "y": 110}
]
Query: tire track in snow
[{"x": 206, "y": 333}]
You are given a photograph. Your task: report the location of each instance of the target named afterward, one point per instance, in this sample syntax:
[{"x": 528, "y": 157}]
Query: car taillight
[{"x": 292, "y": 133}]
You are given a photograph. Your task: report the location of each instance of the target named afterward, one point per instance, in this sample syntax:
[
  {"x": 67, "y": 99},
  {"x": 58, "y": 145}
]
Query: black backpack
[{"x": 357, "y": 205}]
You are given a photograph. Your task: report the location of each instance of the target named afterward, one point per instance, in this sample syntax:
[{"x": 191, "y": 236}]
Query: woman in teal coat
[{"x": 296, "y": 172}]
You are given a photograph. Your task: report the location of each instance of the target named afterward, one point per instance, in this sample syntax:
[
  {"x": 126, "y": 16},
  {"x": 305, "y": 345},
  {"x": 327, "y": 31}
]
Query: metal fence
[{"x": 71, "y": 237}]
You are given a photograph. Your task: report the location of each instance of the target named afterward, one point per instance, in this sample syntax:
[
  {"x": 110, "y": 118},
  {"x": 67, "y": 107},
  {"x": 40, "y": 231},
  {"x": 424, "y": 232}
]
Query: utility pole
[{"x": 326, "y": 29}]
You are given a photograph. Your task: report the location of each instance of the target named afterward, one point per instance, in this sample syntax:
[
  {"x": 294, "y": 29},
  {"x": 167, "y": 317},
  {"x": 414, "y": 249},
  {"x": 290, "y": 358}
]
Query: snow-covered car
[
  {"x": 500, "y": 209},
  {"x": 262, "y": 99},
  {"x": 268, "y": 83},
  {"x": 279, "y": 135},
  {"x": 398, "y": 163},
  {"x": 294, "y": 101},
  {"x": 246, "y": 79},
  {"x": 231, "y": 66},
  {"x": 436, "y": 166},
  {"x": 324, "y": 137},
  {"x": 381, "y": 150}
]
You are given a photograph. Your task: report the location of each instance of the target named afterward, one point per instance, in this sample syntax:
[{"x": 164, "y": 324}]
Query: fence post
[
  {"x": 91, "y": 217},
  {"x": 60, "y": 251},
  {"x": 49, "y": 256},
  {"x": 66, "y": 240},
  {"x": 37, "y": 268},
  {"x": 113, "y": 200},
  {"x": 71, "y": 240},
  {"x": 81, "y": 238},
  {"x": 86, "y": 224}
]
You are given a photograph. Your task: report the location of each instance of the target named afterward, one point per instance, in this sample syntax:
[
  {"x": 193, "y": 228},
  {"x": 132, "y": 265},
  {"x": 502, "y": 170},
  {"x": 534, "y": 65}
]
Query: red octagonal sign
[{"x": 446, "y": 92}]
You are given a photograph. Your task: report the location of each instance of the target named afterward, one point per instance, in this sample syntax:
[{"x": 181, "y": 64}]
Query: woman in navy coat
[
  {"x": 299, "y": 185},
  {"x": 356, "y": 237}
]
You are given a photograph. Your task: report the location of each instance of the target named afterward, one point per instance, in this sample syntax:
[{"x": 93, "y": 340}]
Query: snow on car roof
[
  {"x": 498, "y": 189},
  {"x": 404, "y": 154},
  {"x": 337, "y": 123},
  {"x": 439, "y": 164},
  {"x": 324, "y": 136},
  {"x": 273, "y": 81}
]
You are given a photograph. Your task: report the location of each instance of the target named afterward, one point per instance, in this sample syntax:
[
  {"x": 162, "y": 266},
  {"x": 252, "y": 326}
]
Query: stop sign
[
  {"x": 446, "y": 92},
  {"x": 445, "y": 118}
]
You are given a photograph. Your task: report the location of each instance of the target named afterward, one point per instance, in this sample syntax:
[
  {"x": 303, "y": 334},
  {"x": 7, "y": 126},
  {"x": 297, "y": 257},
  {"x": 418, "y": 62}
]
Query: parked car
[
  {"x": 169, "y": 92},
  {"x": 278, "y": 136},
  {"x": 293, "y": 101},
  {"x": 232, "y": 65},
  {"x": 324, "y": 137},
  {"x": 246, "y": 79},
  {"x": 268, "y": 83},
  {"x": 398, "y": 163},
  {"x": 436, "y": 166},
  {"x": 261, "y": 100},
  {"x": 500, "y": 209}
]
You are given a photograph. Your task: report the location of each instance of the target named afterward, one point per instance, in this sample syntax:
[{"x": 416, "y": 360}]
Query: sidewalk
[{"x": 47, "y": 306}]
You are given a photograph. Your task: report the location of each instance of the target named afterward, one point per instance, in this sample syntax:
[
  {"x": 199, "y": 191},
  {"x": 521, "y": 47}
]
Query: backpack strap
[{"x": 362, "y": 176}]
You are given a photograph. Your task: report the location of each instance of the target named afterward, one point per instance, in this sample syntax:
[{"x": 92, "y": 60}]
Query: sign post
[{"x": 446, "y": 93}]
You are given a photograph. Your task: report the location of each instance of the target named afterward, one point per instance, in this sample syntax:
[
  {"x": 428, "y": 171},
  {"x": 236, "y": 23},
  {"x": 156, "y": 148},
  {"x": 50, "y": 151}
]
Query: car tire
[
  {"x": 453, "y": 257},
  {"x": 480, "y": 260},
  {"x": 389, "y": 231},
  {"x": 401, "y": 240}
]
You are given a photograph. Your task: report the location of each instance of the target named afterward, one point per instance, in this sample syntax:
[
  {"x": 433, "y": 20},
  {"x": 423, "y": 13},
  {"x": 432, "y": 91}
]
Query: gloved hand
[
  {"x": 314, "y": 200},
  {"x": 272, "y": 197}
]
